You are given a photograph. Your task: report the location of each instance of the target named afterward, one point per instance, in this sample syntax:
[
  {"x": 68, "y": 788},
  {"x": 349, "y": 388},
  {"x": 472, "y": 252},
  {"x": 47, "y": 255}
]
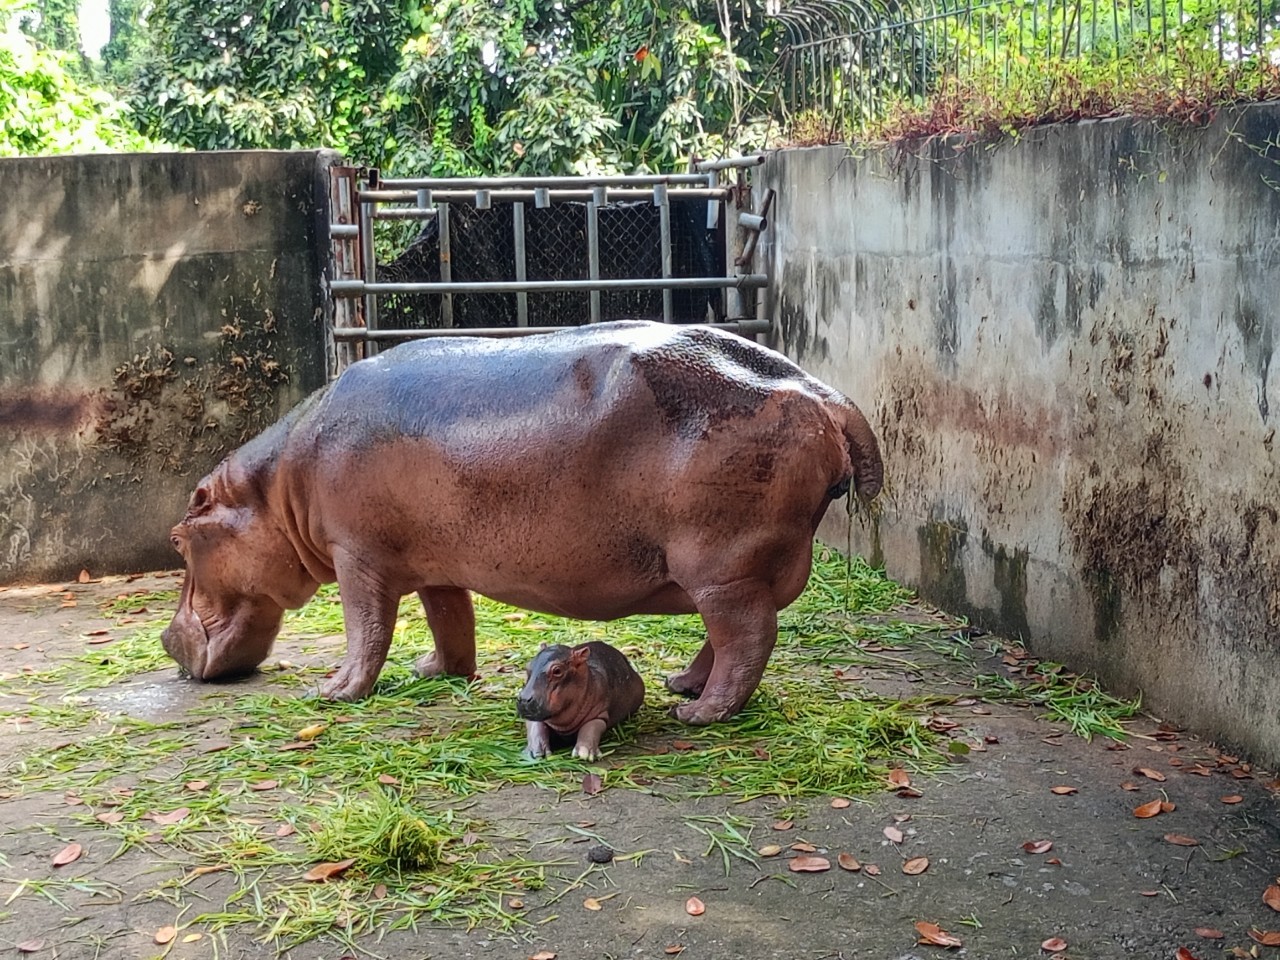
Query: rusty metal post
[
  {"x": 446, "y": 263},
  {"x": 345, "y": 247}
]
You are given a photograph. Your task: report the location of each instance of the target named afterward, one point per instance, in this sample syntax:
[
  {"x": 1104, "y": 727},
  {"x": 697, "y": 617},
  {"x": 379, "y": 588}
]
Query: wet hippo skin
[{"x": 618, "y": 469}]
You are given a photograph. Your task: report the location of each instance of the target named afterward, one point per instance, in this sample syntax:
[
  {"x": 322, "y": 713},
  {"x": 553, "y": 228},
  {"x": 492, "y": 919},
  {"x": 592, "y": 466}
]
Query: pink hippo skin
[
  {"x": 617, "y": 469},
  {"x": 577, "y": 692}
]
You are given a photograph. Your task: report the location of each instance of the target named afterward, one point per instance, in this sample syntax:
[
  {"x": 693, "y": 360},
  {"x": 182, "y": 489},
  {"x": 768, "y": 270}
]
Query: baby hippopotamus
[{"x": 583, "y": 690}]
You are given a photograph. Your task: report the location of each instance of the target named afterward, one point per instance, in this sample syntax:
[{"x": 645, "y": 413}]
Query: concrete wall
[
  {"x": 155, "y": 311},
  {"x": 1065, "y": 345}
]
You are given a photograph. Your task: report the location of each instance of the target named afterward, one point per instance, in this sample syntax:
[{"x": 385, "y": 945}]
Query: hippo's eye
[{"x": 556, "y": 672}]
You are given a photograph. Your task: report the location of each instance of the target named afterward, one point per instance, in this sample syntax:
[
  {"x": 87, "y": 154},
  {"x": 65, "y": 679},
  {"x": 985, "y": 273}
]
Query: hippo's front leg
[
  {"x": 452, "y": 619},
  {"x": 587, "y": 746},
  {"x": 742, "y": 627},
  {"x": 537, "y": 740},
  {"x": 369, "y": 614}
]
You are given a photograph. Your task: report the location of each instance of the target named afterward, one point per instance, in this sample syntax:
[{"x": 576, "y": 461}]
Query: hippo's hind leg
[
  {"x": 691, "y": 681},
  {"x": 369, "y": 613},
  {"x": 742, "y": 627},
  {"x": 452, "y": 620}
]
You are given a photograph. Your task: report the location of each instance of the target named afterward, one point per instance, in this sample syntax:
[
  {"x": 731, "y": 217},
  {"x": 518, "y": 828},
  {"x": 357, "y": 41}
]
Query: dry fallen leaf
[
  {"x": 1167, "y": 807},
  {"x": 934, "y": 935},
  {"x": 871, "y": 870},
  {"x": 1184, "y": 954},
  {"x": 1149, "y": 893},
  {"x": 899, "y": 778},
  {"x": 380, "y": 891},
  {"x": 312, "y": 731},
  {"x": 1038, "y": 846},
  {"x": 1242, "y": 953},
  {"x": 1232, "y": 798},
  {"x": 326, "y": 871},
  {"x": 111, "y": 816},
  {"x": 1130, "y": 786},
  {"x": 1150, "y": 774},
  {"x": 192, "y": 937},
  {"x": 30, "y": 946},
  {"x": 1147, "y": 810},
  {"x": 839, "y": 803},
  {"x": 84, "y": 576},
  {"x": 172, "y": 817},
  {"x": 208, "y": 868},
  {"x": 783, "y": 824},
  {"x": 515, "y": 903},
  {"x": 196, "y": 786},
  {"x": 694, "y": 907},
  {"x": 165, "y": 934},
  {"x": 1209, "y": 933},
  {"x": 808, "y": 864},
  {"x": 804, "y": 848},
  {"x": 848, "y": 862},
  {"x": 591, "y": 903},
  {"x": 286, "y": 830},
  {"x": 1268, "y": 938},
  {"x": 592, "y": 784},
  {"x": 1054, "y": 945},
  {"x": 387, "y": 780},
  {"x": 261, "y": 785},
  {"x": 1181, "y": 840},
  {"x": 1064, "y": 791},
  {"x": 543, "y": 955},
  {"x": 893, "y": 834},
  {"x": 672, "y": 949},
  {"x": 1271, "y": 897},
  {"x": 68, "y": 854},
  {"x": 769, "y": 850},
  {"x": 915, "y": 866}
]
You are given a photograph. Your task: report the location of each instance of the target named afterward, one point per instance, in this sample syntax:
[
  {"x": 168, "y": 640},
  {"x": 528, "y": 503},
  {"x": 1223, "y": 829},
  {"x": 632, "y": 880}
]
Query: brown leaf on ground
[
  {"x": 672, "y": 949},
  {"x": 592, "y": 784},
  {"x": 261, "y": 785},
  {"x": 899, "y": 778},
  {"x": 326, "y": 871},
  {"x": 1209, "y": 933},
  {"x": 286, "y": 830},
  {"x": 84, "y": 576},
  {"x": 1167, "y": 807},
  {"x": 915, "y": 866},
  {"x": 1271, "y": 897},
  {"x": 682, "y": 745},
  {"x": 910, "y": 793},
  {"x": 1064, "y": 791},
  {"x": 934, "y": 935},
  {"x": 1231, "y": 798},
  {"x": 1242, "y": 953},
  {"x": 871, "y": 870},
  {"x": 1184, "y": 954},
  {"x": 809, "y": 864},
  {"x": 1054, "y": 945},
  {"x": 1268, "y": 938},
  {"x": 591, "y": 903},
  {"x": 1054, "y": 861},
  {"x": 196, "y": 786},
  {"x": 893, "y": 834},
  {"x": 387, "y": 780},
  {"x": 1038, "y": 846},
  {"x": 839, "y": 803},
  {"x": 515, "y": 903},
  {"x": 30, "y": 946},
  {"x": 111, "y": 816},
  {"x": 543, "y": 955},
  {"x": 769, "y": 850},
  {"x": 1130, "y": 786},
  {"x": 1181, "y": 840},
  {"x": 1147, "y": 810},
  {"x": 68, "y": 854},
  {"x": 694, "y": 907},
  {"x": 165, "y": 935},
  {"x": 1151, "y": 774},
  {"x": 172, "y": 817},
  {"x": 848, "y": 862},
  {"x": 781, "y": 825},
  {"x": 208, "y": 868},
  {"x": 1149, "y": 893},
  {"x": 804, "y": 848}
]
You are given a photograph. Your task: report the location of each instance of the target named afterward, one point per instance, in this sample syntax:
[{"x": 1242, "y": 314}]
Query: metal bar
[
  {"x": 355, "y": 288},
  {"x": 345, "y": 259},
  {"x": 369, "y": 267},
  {"x": 706, "y": 166},
  {"x": 340, "y": 230},
  {"x": 528, "y": 195},
  {"x": 593, "y": 256},
  {"x": 522, "y": 298},
  {"x": 446, "y": 263},
  {"x": 663, "y": 202},
  {"x": 411, "y": 213},
  {"x": 497, "y": 183},
  {"x": 745, "y": 327}
]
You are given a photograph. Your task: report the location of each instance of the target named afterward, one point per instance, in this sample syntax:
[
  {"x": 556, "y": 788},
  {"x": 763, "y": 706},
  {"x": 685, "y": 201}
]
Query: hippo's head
[
  {"x": 242, "y": 574},
  {"x": 553, "y": 681}
]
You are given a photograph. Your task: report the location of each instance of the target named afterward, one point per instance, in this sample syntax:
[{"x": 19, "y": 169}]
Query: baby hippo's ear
[{"x": 580, "y": 655}]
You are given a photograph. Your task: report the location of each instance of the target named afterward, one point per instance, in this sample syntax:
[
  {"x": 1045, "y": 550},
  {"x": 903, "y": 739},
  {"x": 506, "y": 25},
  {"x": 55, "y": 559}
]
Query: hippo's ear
[
  {"x": 201, "y": 502},
  {"x": 580, "y": 655}
]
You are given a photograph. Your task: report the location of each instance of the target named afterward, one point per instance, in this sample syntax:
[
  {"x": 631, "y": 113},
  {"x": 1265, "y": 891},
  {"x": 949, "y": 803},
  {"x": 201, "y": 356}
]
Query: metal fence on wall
[{"x": 848, "y": 62}]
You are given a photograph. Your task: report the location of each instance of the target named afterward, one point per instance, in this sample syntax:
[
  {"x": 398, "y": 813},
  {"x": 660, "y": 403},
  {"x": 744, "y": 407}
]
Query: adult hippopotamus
[{"x": 604, "y": 471}]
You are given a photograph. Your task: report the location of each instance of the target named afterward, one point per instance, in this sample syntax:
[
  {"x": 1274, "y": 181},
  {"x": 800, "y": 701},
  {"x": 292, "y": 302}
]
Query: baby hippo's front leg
[
  {"x": 537, "y": 740},
  {"x": 588, "y": 744}
]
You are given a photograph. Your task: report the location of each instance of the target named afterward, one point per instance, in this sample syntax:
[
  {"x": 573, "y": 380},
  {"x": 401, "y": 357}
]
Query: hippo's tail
[{"x": 864, "y": 450}]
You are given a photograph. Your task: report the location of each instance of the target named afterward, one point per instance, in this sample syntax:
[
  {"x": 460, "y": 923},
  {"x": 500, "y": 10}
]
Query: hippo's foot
[
  {"x": 686, "y": 684},
  {"x": 538, "y": 740},
  {"x": 701, "y": 712},
  {"x": 344, "y": 686},
  {"x": 433, "y": 665},
  {"x": 585, "y": 752}
]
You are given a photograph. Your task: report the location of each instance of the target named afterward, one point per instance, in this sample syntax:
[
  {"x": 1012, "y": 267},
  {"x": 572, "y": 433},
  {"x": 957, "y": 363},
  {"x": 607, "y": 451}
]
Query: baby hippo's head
[{"x": 555, "y": 679}]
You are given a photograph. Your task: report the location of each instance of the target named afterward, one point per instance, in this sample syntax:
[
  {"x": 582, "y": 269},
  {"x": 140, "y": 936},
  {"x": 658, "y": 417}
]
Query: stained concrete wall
[
  {"x": 1065, "y": 345},
  {"x": 155, "y": 311}
]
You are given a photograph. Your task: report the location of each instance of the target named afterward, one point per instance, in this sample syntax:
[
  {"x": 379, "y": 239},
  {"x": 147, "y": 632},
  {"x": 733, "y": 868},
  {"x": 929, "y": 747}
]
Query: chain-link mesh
[{"x": 482, "y": 248}]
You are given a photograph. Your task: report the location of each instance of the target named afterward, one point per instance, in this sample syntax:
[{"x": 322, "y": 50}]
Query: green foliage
[{"x": 45, "y": 107}]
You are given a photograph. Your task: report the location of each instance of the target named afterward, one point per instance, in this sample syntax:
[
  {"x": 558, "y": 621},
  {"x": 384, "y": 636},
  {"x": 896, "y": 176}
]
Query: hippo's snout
[
  {"x": 186, "y": 641},
  {"x": 528, "y": 707}
]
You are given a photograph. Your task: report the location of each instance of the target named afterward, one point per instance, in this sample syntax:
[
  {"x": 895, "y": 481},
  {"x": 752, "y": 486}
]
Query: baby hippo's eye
[{"x": 556, "y": 672}]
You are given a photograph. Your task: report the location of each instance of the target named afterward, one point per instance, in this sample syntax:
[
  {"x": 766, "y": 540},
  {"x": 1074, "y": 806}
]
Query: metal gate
[{"x": 509, "y": 256}]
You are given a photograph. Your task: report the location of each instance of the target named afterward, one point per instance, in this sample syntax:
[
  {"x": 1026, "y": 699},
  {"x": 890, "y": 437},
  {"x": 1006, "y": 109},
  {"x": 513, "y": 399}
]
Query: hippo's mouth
[{"x": 531, "y": 710}]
